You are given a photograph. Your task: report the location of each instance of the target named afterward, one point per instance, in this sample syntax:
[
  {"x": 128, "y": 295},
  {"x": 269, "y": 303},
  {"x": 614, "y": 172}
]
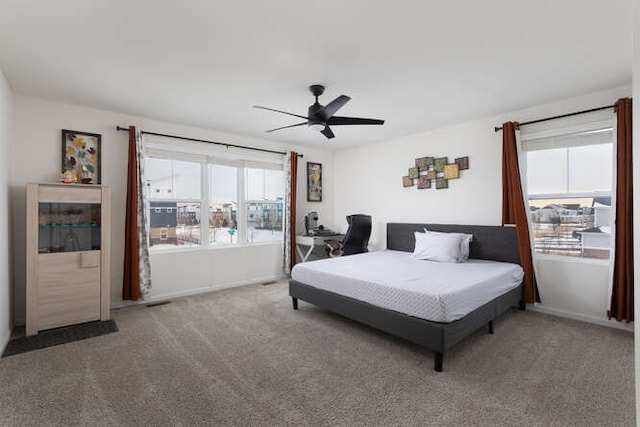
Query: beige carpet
[{"x": 244, "y": 357}]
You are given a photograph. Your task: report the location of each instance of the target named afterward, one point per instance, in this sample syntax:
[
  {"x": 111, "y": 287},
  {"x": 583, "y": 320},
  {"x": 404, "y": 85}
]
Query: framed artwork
[
  {"x": 442, "y": 183},
  {"x": 314, "y": 182},
  {"x": 424, "y": 182},
  {"x": 413, "y": 173},
  {"x": 81, "y": 155},
  {"x": 463, "y": 163},
  {"x": 407, "y": 182},
  {"x": 431, "y": 174},
  {"x": 438, "y": 164},
  {"x": 451, "y": 171}
]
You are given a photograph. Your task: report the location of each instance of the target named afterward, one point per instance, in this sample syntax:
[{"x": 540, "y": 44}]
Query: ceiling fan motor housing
[{"x": 316, "y": 118}]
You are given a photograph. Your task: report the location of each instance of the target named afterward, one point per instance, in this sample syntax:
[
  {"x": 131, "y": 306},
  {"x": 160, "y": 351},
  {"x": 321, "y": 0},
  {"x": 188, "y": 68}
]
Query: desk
[{"x": 312, "y": 242}]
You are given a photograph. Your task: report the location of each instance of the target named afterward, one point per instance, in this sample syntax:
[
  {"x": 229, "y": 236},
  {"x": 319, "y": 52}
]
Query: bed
[{"x": 366, "y": 289}]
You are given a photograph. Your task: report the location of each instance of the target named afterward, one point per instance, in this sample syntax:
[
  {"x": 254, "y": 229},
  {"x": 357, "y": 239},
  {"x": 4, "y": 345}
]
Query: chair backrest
[{"x": 356, "y": 240}]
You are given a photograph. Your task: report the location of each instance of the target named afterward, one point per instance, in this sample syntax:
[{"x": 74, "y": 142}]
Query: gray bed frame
[{"x": 489, "y": 242}]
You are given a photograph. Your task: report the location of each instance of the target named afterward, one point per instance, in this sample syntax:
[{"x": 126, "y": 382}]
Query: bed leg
[
  {"x": 437, "y": 361},
  {"x": 294, "y": 300},
  {"x": 523, "y": 306},
  {"x": 490, "y": 327}
]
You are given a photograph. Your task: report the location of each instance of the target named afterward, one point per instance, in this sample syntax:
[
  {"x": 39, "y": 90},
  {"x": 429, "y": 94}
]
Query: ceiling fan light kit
[{"x": 320, "y": 117}]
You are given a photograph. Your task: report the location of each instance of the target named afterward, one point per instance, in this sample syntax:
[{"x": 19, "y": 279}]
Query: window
[
  {"x": 264, "y": 202},
  {"x": 174, "y": 200},
  {"x": 569, "y": 182},
  {"x": 223, "y": 204},
  {"x": 242, "y": 201}
]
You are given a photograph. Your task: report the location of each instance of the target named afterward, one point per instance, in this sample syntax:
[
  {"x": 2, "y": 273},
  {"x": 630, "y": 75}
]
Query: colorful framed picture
[
  {"x": 81, "y": 155},
  {"x": 431, "y": 175},
  {"x": 438, "y": 164},
  {"x": 463, "y": 163},
  {"x": 407, "y": 182},
  {"x": 451, "y": 171},
  {"x": 314, "y": 182},
  {"x": 413, "y": 173},
  {"x": 442, "y": 183},
  {"x": 424, "y": 182}
]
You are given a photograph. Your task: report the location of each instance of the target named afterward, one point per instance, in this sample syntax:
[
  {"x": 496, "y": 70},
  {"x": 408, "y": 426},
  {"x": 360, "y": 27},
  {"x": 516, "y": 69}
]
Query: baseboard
[
  {"x": 5, "y": 340},
  {"x": 196, "y": 291},
  {"x": 602, "y": 321}
]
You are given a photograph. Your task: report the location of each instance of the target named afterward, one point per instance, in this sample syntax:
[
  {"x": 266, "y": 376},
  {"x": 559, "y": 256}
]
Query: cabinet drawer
[
  {"x": 68, "y": 304},
  {"x": 61, "y": 194},
  {"x": 68, "y": 288},
  {"x": 68, "y": 268}
]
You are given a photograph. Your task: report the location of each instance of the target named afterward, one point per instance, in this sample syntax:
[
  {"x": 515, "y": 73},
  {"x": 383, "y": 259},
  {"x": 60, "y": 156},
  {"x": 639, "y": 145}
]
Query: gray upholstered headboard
[{"x": 489, "y": 242}]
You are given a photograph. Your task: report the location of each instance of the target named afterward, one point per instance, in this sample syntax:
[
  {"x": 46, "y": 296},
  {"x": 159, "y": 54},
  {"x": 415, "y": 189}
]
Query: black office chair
[{"x": 356, "y": 241}]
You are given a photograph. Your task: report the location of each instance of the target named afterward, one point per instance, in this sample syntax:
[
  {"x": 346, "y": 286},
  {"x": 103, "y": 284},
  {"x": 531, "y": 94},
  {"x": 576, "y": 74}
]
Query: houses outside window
[
  {"x": 264, "y": 202},
  {"x": 223, "y": 204},
  {"x": 199, "y": 200},
  {"x": 174, "y": 199},
  {"x": 569, "y": 183}
]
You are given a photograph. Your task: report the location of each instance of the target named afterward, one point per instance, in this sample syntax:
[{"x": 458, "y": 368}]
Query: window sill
[
  {"x": 571, "y": 259},
  {"x": 153, "y": 252}
]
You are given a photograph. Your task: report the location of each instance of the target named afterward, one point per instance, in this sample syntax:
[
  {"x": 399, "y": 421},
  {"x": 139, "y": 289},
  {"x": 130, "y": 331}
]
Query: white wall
[
  {"x": 35, "y": 152},
  {"x": 5, "y": 277},
  {"x": 371, "y": 183}
]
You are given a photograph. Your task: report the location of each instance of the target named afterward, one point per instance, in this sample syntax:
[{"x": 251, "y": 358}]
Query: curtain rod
[
  {"x": 264, "y": 150},
  {"x": 497, "y": 129}
]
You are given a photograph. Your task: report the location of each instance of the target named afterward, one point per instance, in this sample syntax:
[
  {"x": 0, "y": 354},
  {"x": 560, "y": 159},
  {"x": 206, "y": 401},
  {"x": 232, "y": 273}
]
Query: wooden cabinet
[{"x": 68, "y": 243}]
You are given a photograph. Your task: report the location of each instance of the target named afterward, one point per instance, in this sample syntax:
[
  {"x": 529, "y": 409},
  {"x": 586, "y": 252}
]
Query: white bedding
[{"x": 436, "y": 291}]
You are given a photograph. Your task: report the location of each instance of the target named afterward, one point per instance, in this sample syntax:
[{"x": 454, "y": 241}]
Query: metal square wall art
[
  {"x": 423, "y": 163},
  {"x": 442, "y": 183},
  {"x": 451, "y": 171},
  {"x": 423, "y": 182},
  {"x": 434, "y": 172},
  {"x": 438, "y": 164},
  {"x": 463, "y": 163}
]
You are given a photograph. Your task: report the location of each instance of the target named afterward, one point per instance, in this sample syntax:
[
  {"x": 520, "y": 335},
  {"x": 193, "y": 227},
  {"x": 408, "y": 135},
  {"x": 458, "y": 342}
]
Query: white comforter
[{"x": 436, "y": 291}]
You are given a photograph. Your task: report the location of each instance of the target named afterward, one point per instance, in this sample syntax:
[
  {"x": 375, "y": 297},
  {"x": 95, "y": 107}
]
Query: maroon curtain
[
  {"x": 514, "y": 209},
  {"x": 131, "y": 280},
  {"x": 622, "y": 288},
  {"x": 292, "y": 213}
]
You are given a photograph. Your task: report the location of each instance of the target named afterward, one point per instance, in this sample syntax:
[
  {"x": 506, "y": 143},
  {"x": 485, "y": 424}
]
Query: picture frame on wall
[
  {"x": 81, "y": 155},
  {"x": 314, "y": 182}
]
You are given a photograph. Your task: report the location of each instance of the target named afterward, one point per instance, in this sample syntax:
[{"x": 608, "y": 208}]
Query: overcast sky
[
  {"x": 261, "y": 184},
  {"x": 590, "y": 168}
]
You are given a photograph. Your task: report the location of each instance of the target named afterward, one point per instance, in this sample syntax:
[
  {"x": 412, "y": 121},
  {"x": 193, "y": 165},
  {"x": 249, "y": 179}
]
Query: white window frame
[
  {"x": 206, "y": 156},
  {"x": 599, "y": 121}
]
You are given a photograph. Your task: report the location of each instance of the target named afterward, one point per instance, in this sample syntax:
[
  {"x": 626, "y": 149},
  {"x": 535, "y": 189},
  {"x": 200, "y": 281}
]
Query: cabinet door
[{"x": 68, "y": 288}]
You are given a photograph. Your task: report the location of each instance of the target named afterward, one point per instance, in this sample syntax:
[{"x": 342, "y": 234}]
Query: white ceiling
[{"x": 418, "y": 64}]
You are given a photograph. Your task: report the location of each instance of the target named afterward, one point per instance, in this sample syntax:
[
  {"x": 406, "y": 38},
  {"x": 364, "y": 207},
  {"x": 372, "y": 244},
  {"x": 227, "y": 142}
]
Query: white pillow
[
  {"x": 465, "y": 240},
  {"x": 437, "y": 247}
]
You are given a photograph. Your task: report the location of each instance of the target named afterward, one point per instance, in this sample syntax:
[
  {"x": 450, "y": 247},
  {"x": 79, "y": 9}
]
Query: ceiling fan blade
[
  {"x": 331, "y": 108},
  {"x": 279, "y": 111},
  {"x": 339, "y": 121},
  {"x": 290, "y": 126},
  {"x": 327, "y": 132}
]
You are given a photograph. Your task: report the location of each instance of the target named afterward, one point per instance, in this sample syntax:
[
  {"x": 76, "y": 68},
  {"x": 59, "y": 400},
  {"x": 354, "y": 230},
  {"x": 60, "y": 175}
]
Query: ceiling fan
[{"x": 321, "y": 117}]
